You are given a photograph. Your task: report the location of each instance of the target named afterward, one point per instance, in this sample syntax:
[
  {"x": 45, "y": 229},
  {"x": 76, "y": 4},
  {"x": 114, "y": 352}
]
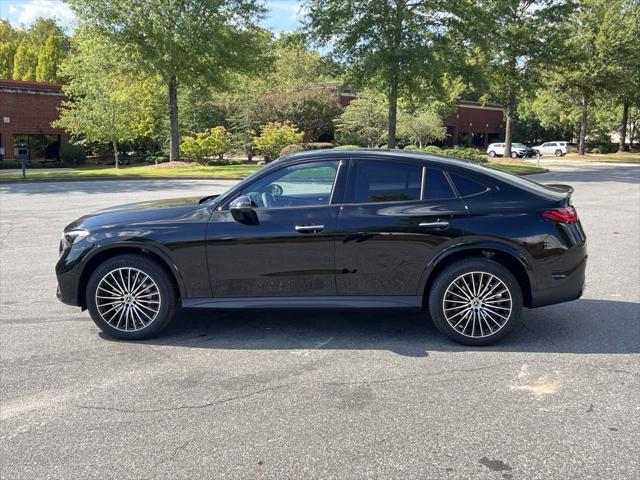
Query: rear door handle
[
  {"x": 436, "y": 224},
  {"x": 309, "y": 228}
]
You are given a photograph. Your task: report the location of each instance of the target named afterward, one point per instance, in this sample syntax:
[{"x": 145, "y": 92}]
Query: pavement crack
[{"x": 181, "y": 407}]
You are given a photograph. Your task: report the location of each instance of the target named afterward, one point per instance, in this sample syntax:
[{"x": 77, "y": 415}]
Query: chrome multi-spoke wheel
[
  {"x": 475, "y": 301},
  {"x": 477, "y": 304},
  {"x": 127, "y": 299}
]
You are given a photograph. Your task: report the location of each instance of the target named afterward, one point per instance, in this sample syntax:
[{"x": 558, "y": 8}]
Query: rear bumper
[{"x": 566, "y": 286}]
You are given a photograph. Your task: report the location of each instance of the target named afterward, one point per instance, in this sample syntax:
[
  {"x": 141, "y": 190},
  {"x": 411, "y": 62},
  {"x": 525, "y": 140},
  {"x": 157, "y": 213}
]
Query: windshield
[{"x": 519, "y": 145}]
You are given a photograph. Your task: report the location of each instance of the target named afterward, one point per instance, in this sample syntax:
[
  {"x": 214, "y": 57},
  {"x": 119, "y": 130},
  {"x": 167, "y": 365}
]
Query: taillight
[{"x": 567, "y": 215}]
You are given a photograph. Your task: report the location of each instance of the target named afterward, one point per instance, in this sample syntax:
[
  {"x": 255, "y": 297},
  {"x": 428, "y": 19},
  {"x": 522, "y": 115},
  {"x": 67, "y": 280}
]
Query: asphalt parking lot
[{"x": 318, "y": 394}]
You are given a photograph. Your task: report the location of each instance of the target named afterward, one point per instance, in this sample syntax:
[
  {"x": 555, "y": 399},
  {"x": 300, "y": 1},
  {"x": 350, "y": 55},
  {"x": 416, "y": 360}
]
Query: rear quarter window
[{"x": 467, "y": 187}]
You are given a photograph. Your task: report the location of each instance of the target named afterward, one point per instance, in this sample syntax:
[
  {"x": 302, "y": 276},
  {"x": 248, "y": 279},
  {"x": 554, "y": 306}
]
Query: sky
[{"x": 283, "y": 15}]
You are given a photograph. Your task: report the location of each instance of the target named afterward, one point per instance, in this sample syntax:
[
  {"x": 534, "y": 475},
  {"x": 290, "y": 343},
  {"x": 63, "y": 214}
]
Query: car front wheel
[
  {"x": 558, "y": 153},
  {"x": 475, "y": 301},
  {"x": 492, "y": 154},
  {"x": 514, "y": 155},
  {"x": 131, "y": 297}
]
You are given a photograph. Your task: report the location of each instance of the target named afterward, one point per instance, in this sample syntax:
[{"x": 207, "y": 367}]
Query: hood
[{"x": 138, "y": 213}]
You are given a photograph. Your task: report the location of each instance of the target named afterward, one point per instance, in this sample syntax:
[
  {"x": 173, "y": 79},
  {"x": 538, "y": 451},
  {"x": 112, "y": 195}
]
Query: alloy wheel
[
  {"x": 477, "y": 304},
  {"x": 127, "y": 299}
]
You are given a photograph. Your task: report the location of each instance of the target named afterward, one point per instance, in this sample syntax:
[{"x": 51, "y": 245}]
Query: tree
[
  {"x": 595, "y": 59},
  {"x": 49, "y": 58},
  {"x": 514, "y": 39},
  {"x": 274, "y": 137},
  {"x": 388, "y": 43},
  {"x": 107, "y": 102},
  {"x": 24, "y": 63},
  {"x": 7, "y": 49},
  {"x": 422, "y": 127},
  {"x": 184, "y": 43},
  {"x": 364, "y": 121}
]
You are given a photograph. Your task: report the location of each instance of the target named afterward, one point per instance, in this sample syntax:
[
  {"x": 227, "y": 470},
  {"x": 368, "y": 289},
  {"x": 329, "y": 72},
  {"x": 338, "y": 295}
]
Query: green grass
[
  {"x": 605, "y": 157},
  {"x": 518, "y": 168},
  {"x": 195, "y": 171},
  {"x": 89, "y": 172}
]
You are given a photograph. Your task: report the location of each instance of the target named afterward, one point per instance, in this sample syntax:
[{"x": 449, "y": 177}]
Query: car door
[
  {"x": 287, "y": 249},
  {"x": 396, "y": 216},
  {"x": 499, "y": 149}
]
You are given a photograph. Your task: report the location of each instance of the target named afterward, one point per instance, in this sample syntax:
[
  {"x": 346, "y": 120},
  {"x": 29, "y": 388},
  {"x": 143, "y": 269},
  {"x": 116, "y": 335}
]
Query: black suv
[{"x": 335, "y": 229}]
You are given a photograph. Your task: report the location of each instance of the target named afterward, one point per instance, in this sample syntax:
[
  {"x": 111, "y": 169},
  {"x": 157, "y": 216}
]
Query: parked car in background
[
  {"x": 518, "y": 150},
  {"x": 335, "y": 229},
  {"x": 559, "y": 149}
]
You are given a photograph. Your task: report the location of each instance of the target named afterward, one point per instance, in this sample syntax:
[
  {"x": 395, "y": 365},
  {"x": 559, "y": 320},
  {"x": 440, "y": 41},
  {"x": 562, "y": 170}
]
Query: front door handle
[
  {"x": 436, "y": 224},
  {"x": 309, "y": 228}
]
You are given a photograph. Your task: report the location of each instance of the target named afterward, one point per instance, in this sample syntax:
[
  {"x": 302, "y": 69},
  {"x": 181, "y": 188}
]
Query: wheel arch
[
  {"x": 153, "y": 253},
  {"x": 508, "y": 256}
]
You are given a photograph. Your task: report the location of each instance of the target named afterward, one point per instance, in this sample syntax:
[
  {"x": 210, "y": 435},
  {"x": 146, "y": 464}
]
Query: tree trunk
[
  {"x": 622, "y": 147},
  {"x": 393, "y": 110},
  {"x": 174, "y": 138},
  {"x": 632, "y": 133},
  {"x": 115, "y": 153},
  {"x": 508, "y": 130},
  {"x": 583, "y": 125}
]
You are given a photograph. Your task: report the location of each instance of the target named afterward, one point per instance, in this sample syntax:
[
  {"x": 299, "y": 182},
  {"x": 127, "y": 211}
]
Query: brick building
[
  {"x": 474, "y": 124},
  {"x": 26, "y": 112}
]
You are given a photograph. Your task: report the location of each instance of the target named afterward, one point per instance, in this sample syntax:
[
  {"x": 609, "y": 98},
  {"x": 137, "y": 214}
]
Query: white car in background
[
  {"x": 518, "y": 150},
  {"x": 559, "y": 149}
]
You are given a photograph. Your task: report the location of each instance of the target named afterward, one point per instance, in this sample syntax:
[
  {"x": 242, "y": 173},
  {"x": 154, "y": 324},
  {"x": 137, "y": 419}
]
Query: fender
[
  {"x": 519, "y": 254},
  {"x": 154, "y": 248}
]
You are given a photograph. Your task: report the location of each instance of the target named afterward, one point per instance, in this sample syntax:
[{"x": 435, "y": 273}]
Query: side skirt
[{"x": 328, "y": 302}]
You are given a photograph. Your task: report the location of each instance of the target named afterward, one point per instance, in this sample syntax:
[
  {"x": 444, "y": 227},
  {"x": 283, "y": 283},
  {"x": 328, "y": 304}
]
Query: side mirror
[{"x": 242, "y": 211}]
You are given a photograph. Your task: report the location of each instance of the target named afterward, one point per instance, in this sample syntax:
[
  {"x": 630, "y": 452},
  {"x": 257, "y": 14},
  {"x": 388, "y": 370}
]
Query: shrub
[
  {"x": 291, "y": 149},
  {"x": 432, "y": 149},
  {"x": 464, "y": 154},
  {"x": 156, "y": 159},
  {"x": 223, "y": 161},
  {"x": 72, "y": 154},
  {"x": 317, "y": 145},
  {"x": 216, "y": 142},
  {"x": 274, "y": 136},
  {"x": 348, "y": 147}
]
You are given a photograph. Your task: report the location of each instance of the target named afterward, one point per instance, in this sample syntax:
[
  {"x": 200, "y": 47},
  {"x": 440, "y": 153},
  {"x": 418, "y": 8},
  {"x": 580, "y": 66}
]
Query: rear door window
[
  {"x": 385, "y": 181},
  {"x": 436, "y": 186}
]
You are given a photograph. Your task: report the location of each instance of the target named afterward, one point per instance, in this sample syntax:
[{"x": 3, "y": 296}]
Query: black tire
[
  {"x": 492, "y": 154},
  {"x": 166, "y": 291},
  {"x": 558, "y": 153},
  {"x": 453, "y": 272}
]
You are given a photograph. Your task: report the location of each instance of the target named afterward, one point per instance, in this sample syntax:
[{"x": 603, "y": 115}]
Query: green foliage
[
  {"x": 461, "y": 153},
  {"x": 317, "y": 145},
  {"x": 313, "y": 110},
  {"x": 24, "y": 63},
  {"x": 50, "y": 57},
  {"x": 290, "y": 150},
  {"x": 392, "y": 45},
  {"x": 364, "y": 122},
  {"x": 422, "y": 127},
  {"x": 274, "y": 136},
  {"x": 108, "y": 102},
  {"x": 347, "y": 147},
  {"x": 216, "y": 142},
  {"x": 72, "y": 154},
  {"x": 186, "y": 43}
]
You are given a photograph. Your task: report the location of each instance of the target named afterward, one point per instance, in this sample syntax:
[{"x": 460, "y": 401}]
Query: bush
[
  {"x": 216, "y": 142},
  {"x": 274, "y": 136},
  {"x": 72, "y": 154},
  {"x": 464, "y": 154},
  {"x": 156, "y": 159},
  {"x": 291, "y": 149},
  {"x": 7, "y": 164},
  {"x": 432, "y": 149},
  {"x": 317, "y": 145},
  {"x": 223, "y": 161},
  {"x": 348, "y": 147}
]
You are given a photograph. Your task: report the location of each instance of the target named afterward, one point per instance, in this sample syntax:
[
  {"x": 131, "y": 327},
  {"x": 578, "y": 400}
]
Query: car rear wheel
[
  {"x": 558, "y": 153},
  {"x": 492, "y": 154},
  {"x": 131, "y": 297},
  {"x": 475, "y": 301}
]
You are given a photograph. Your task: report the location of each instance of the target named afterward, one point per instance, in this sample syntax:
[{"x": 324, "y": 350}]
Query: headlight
[{"x": 71, "y": 237}]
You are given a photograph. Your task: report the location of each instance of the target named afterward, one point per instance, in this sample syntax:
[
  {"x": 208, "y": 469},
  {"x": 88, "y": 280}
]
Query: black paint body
[{"x": 367, "y": 254}]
